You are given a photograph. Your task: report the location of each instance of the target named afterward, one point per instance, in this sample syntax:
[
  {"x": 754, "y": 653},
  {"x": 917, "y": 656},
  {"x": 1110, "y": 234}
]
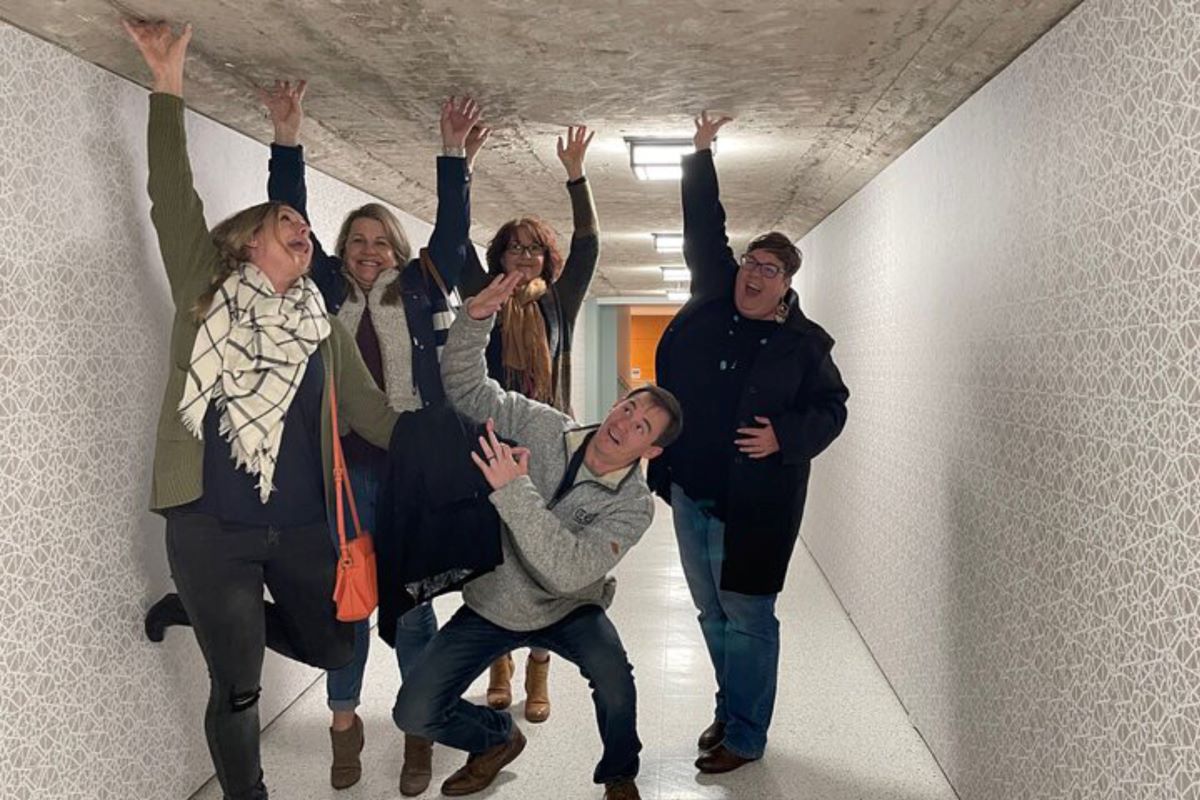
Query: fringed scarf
[
  {"x": 249, "y": 358},
  {"x": 524, "y": 347}
]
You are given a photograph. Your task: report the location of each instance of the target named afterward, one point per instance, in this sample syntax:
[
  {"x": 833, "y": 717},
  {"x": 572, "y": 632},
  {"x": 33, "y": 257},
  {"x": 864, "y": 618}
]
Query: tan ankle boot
[
  {"x": 418, "y": 765},
  {"x": 537, "y": 690},
  {"x": 347, "y": 745},
  {"x": 499, "y": 693}
]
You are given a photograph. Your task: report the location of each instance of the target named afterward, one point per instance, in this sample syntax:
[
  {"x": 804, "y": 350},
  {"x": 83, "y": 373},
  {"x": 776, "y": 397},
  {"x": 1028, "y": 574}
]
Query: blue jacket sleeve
[
  {"x": 286, "y": 184},
  {"x": 705, "y": 243},
  {"x": 450, "y": 240}
]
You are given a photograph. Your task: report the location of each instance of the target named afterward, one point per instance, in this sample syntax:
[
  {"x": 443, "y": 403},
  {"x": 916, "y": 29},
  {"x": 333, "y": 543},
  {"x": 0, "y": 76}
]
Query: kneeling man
[{"x": 573, "y": 501}]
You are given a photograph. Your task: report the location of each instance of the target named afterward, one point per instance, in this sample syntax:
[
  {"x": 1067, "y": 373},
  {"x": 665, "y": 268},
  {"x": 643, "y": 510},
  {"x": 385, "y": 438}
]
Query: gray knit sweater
[{"x": 556, "y": 558}]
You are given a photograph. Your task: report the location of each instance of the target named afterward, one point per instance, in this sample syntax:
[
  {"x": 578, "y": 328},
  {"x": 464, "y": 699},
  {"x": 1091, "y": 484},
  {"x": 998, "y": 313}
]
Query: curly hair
[{"x": 540, "y": 231}]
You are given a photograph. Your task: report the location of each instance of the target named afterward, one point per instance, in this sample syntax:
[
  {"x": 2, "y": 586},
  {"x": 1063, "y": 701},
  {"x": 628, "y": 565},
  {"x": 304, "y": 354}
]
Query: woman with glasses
[
  {"x": 530, "y": 347},
  {"x": 762, "y": 398}
]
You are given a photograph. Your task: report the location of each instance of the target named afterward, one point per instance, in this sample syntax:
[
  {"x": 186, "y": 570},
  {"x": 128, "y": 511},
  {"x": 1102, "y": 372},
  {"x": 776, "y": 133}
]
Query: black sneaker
[{"x": 166, "y": 612}]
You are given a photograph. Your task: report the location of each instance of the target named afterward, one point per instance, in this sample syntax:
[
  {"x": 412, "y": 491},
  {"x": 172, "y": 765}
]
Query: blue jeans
[
  {"x": 430, "y": 701},
  {"x": 740, "y": 630},
  {"x": 414, "y": 629}
]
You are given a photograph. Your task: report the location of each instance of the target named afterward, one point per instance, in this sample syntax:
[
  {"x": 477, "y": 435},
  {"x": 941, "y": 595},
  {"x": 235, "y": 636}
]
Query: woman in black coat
[{"x": 762, "y": 397}]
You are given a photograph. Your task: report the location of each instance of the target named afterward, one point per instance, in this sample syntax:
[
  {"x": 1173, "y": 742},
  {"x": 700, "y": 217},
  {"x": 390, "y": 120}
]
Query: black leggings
[{"x": 220, "y": 570}]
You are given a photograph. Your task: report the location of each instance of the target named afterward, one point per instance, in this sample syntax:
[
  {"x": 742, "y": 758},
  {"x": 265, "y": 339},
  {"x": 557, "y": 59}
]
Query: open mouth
[
  {"x": 369, "y": 263},
  {"x": 613, "y": 437},
  {"x": 301, "y": 246},
  {"x": 753, "y": 290}
]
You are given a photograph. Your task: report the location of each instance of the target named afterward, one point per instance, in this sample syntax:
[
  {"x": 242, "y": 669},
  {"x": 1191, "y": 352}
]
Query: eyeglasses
[
  {"x": 768, "y": 271},
  {"x": 531, "y": 250}
]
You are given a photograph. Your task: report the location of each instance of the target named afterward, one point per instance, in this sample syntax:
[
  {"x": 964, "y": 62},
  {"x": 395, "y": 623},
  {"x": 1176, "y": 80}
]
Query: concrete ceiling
[{"x": 826, "y": 92}]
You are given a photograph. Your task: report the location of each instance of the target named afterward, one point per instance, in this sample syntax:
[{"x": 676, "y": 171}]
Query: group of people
[{"x": 268, "y": 327}]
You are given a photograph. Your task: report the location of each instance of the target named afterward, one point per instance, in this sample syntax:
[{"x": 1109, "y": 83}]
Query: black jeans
[{"x": 220, "y": 570}]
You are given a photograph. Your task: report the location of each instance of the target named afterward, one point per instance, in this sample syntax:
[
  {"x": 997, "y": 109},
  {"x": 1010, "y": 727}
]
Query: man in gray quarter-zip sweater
[{"x": 573, "y": 501}]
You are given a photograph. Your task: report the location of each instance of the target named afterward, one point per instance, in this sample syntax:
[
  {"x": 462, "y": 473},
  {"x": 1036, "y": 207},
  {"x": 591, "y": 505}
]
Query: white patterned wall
[
  {"x": 88, "y": 708},
  {"x": 1011, "y": 516}
]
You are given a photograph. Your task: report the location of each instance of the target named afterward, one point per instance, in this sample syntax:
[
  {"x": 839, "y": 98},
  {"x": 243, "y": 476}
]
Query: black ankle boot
[{"x": 166, "y": 612}]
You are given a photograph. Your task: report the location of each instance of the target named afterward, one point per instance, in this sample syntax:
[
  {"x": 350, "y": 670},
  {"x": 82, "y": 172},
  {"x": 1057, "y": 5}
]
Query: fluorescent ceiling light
[
  {"x": 657, "y": 159},
  {"x": 678, "y": 296},
  {"x": 668, "y": 242},
  {"x": 676, "y": 273}
]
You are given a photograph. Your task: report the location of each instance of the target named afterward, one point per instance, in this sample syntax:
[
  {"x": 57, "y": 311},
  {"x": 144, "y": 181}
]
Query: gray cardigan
[{"x": 556, "y": 556}]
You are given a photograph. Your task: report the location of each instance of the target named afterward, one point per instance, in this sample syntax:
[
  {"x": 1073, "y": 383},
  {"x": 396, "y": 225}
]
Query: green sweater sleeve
[{"x": 188, "y": 252}]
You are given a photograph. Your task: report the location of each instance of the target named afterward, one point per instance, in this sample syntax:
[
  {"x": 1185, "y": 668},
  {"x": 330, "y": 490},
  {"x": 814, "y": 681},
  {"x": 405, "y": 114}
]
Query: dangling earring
[{"x": 781, "y": 310}]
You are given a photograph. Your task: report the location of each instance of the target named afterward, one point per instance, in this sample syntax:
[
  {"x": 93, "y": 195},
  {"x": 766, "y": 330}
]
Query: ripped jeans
[{"x": 220, "y": 570}]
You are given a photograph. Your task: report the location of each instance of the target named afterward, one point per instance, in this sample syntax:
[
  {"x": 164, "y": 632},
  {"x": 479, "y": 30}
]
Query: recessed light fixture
[
  {"x": 678, "y": 295},
  {"x": 668, "y": 242},
  {"x": 676, "y": 273},
  {"x": 657, "y": 159}
]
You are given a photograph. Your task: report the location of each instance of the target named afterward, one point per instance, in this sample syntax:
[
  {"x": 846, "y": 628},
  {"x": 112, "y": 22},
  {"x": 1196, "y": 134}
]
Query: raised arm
[
  {"x": 464, "y": 366},
  {"x": 585, "y": 239},
  {"x": 450, "y": 242},
  {"x": 285, "y": 176},
  {"x": 474, "y": 278},
  {"x": 705, "y": 243},
  {"x": 176, "y": 211}
]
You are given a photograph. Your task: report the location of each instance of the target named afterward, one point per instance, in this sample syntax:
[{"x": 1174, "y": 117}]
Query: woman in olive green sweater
[{"x": 242, "y": 463}]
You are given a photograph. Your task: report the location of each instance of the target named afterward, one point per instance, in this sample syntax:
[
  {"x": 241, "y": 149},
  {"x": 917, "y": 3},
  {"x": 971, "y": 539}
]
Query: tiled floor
[{"x": 838, "y": 734}]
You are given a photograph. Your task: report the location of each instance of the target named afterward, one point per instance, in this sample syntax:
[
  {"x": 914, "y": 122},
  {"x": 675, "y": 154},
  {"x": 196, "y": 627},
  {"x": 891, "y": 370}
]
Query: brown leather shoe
[
  {"x": 537, "y": 689},
  {"x": 622, "y": 790},
  {"x": 482, "y": 768},
  {"x": 499, "y": 692},
  {"x": 713, "y": 735},
  {"x": 721, "y": 759},
  {"x": 347, "y": 745},
  {"x": 418, "y": 765}
]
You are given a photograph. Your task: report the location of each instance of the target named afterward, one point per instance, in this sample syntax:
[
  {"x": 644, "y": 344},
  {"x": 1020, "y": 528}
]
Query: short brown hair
[
  {"x": 780, "y": 246},
  {"x": 661, "y": 398},
  {"x": 540, "y": 231}
]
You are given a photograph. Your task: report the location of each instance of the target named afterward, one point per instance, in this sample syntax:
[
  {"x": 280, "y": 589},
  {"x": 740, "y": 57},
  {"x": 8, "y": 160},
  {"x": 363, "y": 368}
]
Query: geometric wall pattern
[
  {"x": 88, "y": 708},
  {"x": 1012, "y": 516}
]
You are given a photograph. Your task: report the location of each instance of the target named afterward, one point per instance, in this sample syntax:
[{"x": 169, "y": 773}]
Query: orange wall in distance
[{"x": 644, "y": 333}]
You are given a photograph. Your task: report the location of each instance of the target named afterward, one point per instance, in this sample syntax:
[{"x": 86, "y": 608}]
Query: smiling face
[
  {"x": 368, "y": 251},
  {"x": 524, "y": 254},
  {"x": 281, "y": 248},
  {"x": 756, "y": 295},
  {"x": 630, "y": 430}
]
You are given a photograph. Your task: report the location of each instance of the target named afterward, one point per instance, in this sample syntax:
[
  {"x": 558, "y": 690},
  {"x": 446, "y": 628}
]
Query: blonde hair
[
  {"x": 232, "y": 236},
  {"x": 394, "y": 232}
]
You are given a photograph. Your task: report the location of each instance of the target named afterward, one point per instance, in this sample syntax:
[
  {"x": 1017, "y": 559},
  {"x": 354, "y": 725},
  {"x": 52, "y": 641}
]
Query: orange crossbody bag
[{"x": 355, "y": 591}]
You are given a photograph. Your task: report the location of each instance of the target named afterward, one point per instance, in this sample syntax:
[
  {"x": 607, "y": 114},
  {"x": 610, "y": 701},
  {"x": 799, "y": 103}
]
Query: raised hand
[
  {"x": 573, "y": 152},
  {"x": 163, "y": 52},
  {"x": 475, "y": 139},
  {"x": 500, "y": 463},
  {"x": 706, "y": 129},
  {"x": 758, "y": 442},
  {"x": 458, "y": 117},
  {"x": 284, "y": 102},
  {"x": 489, "y": 301}
]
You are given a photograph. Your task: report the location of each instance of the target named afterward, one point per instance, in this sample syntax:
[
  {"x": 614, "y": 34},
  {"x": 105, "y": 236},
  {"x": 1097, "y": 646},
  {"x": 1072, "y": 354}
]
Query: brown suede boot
[
  {"x": 537, "y": 690},
  {"x": 418, "y": 765},
  {"x": 482, "y": 768},
  {"x": 499, "y": 693},
  {"x": 347, "y": 744}
]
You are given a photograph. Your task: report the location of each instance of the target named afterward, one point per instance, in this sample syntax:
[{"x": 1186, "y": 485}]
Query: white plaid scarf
[{"x": 249, "y": 358}]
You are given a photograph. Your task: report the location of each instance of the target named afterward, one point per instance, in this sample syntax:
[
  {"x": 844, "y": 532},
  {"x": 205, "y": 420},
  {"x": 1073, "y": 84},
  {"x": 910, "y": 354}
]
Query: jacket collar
[{"x": 574, "y": 438}]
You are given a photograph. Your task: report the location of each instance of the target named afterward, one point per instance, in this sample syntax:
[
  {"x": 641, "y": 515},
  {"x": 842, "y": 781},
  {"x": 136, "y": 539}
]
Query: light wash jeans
[{"x": 740, "y": 630}]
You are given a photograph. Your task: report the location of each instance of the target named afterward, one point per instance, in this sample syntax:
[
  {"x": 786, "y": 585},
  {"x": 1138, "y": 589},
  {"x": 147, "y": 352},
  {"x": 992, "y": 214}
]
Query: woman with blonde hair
[
  {"x": 242, "y": 464},
  {"x": 396, "y": 307}
]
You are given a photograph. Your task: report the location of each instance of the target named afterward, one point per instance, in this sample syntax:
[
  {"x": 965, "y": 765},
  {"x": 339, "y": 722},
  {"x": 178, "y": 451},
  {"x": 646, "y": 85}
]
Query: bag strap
[
  {"x": 430, "y": 269},
  {"x": 341, "y": 476}
]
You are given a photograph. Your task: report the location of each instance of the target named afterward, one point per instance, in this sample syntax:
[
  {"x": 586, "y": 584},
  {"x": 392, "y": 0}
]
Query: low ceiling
[{"x": 825, "y": 93}]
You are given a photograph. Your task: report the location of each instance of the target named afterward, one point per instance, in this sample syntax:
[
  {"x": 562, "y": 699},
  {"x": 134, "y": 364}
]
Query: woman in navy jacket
[
  {"x": 396, "y": 306},
  {"x": 762, "y": 398}
]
